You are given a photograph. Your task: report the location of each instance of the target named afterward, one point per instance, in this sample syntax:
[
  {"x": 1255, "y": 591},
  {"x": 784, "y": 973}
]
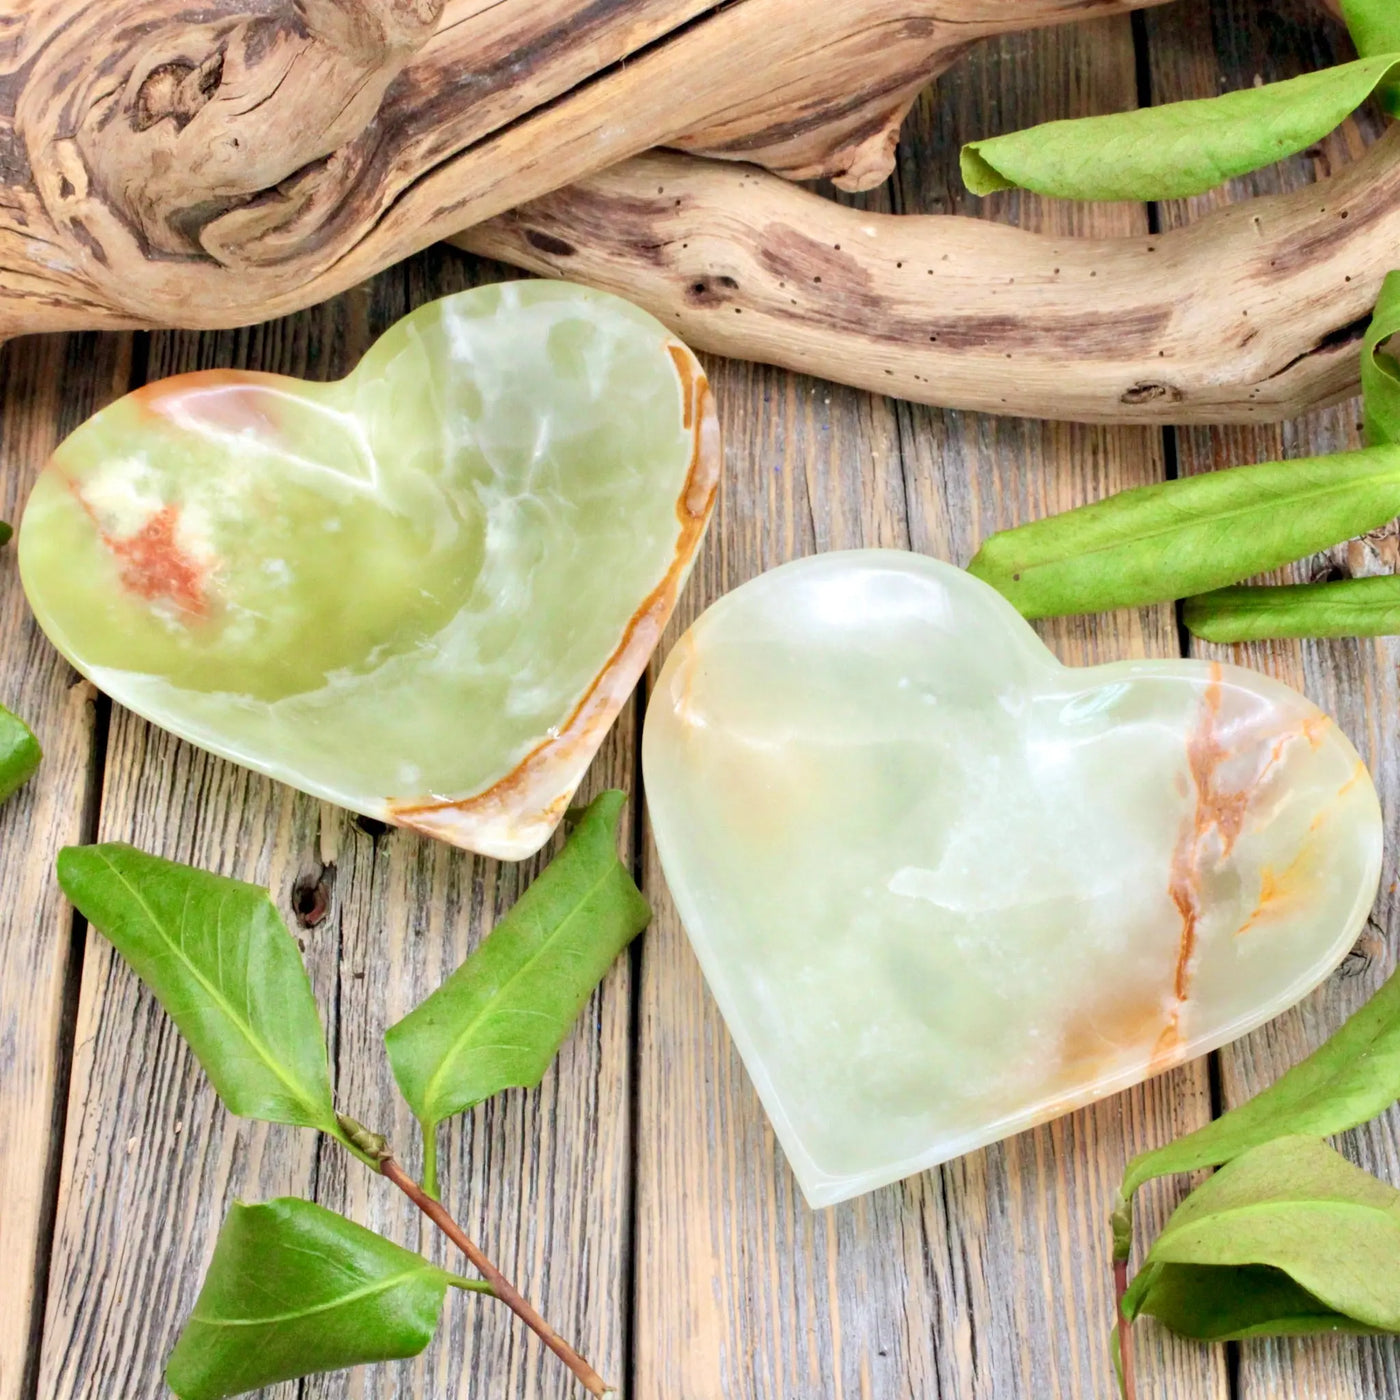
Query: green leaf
[
  {"x": 1351, "y": 1077},
  {"x": 1380, "y": 375},
  {"x": 1294, "y": 1206},
  {"x": 222, "y": 963},
  {"x": 294, "y": 1288},
  {"x": 1368, "y": 607},
  {"x": 498, "y": 1021},
  {"x": 1374, "y": 26},
  {"x": 1180, "y": 149},
  {"x": 5, "y": 533},
  {"x": 19, "y": 753},
  {"x": 1356, "y": 607},
  {"x": 1189, "y": 536},
  {"x": 1229, "y": 1303}
]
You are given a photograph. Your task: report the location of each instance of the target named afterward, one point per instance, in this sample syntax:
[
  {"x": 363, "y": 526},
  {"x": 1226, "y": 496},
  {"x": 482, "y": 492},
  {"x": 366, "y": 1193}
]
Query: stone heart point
[
  {"x": 422, "y": 592},
  {"x": 944, "y": 888}
]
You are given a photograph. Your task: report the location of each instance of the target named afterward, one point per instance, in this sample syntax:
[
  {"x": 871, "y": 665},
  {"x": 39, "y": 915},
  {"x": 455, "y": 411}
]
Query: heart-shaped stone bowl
[
  {"x": 944, "y": 888},
  {"x": 422, "y": 592}
]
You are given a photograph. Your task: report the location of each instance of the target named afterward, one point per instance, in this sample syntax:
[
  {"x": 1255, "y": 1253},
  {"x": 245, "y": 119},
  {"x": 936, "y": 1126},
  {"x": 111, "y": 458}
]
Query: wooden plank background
[{"x": 638, "y": 1196}]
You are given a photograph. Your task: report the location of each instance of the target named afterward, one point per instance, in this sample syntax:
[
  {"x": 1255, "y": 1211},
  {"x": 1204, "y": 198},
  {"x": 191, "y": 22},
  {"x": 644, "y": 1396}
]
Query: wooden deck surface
[{"x": 638, "y": 1197}]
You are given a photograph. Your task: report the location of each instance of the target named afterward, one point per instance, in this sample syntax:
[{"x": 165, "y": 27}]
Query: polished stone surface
[
  {"x": 944, "y": 888},
  {"x": 423, "y": 591}
]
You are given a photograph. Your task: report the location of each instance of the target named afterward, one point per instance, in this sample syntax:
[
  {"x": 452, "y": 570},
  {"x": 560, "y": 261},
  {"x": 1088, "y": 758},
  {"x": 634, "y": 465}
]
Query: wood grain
[
  {"x": 990, "y": 1277},
  {"x": 639, "y": 1197},
  {"x": 1029, "y": 1275},
  {"x": 741, "y": 1290},
  {"x": 1196, "y": 51},
  {"x": 540, "y": 1180},
  {"x": 152, "y": 1160},
  {"x": 46, "y": 388}
]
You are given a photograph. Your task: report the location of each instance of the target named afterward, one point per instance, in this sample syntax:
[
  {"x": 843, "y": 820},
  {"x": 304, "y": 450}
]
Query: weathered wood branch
[
  {"x": 1253, "y": 313},
  {"x": 213, "y": 166}
]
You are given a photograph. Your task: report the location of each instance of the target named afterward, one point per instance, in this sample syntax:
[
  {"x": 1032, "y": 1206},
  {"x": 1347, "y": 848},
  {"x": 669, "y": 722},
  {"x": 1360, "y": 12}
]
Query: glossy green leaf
[
  {"x": 498, "y": 1021},
  {"x": 1356, "y": 607},
  {"x": 1230, "y": 1303},
  {"x": 1189, "y": 536},
  {"x": 19, "y": 753},
  {"x": 219, "y": 957},
  {"x": 1380, "y": 374},
  {"x": 1292, "y": 1205},
  {"x": 1180, "y": 149},
  {"x": 1351, "y": 1077},
  {"x": 294, "y": 1288}
]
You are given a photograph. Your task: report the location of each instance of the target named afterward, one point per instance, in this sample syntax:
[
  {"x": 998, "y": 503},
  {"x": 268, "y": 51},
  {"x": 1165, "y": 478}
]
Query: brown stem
[
  {"x": 506, "y": 1291},
  {"x": 1125, "y": 1330}
]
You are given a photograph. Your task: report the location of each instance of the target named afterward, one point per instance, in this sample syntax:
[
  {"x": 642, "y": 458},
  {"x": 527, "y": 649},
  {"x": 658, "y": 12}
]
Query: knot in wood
[
  {"x": 176, "y": 90},
  {"x": 311, "y": 895},
  {"x": 1151, "y": 391},
  {"x": 710, "y": 291}
]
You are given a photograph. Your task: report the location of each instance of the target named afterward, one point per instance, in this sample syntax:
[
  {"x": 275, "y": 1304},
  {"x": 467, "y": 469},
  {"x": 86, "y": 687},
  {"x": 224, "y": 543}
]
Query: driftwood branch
[
  {"x": 1253, "y": 313},
  {"x": 162, "y": 164}
]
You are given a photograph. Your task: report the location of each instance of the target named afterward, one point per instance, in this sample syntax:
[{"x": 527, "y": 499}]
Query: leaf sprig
[
  {"x": 498, "y": 1021},
  {"x": 1197, "y": 537},
  {"x": 1180, "y": 148},
  {"x": 294, "y": 1288},
  {"x": 1176, "y": 538},
  {"x": 221, "y": 961},
  {"x": 1185, "y": 148},
  {"x": 1288, "y": 1238}
]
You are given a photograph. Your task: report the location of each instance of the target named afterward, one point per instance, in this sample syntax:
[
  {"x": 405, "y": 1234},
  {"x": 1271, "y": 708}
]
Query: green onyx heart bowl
[
  {"x": 944, "y": 888},
  {"x": 422, "y": 592}
]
